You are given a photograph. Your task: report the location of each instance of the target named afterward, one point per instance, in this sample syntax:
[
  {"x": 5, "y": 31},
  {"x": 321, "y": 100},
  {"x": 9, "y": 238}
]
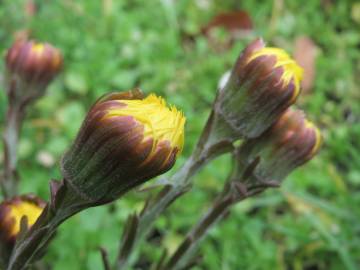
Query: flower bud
[
  {"x": 124, "y": 141},
  {"x": 11, "y": 212},
  {"x": 289, "y": 143},
  {"x": 31, "y": 65},
  {"x": 263, "y": 84}
]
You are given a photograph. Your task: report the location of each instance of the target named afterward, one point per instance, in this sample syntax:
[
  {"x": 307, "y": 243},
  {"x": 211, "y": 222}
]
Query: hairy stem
[
  {"x": 234, "y": 191},
  {"x": 186, "y": 249},
  {"x": 13, "y": 125},
  {"x": 210, "y": 146}
]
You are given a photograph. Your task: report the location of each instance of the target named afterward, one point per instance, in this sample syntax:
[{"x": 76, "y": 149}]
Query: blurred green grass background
[{"x": 312, "y": 222}]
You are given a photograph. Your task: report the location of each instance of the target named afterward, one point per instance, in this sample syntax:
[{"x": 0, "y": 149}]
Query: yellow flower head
[
  {"x": 17, "y": 211},
  {"x": 291, "y": 70},
  {"x": 125, "y": 140},
  {"x": 161, "y": 123},
  {"x": 12, "y": 211},
  {"x": 264, "y": 82}
]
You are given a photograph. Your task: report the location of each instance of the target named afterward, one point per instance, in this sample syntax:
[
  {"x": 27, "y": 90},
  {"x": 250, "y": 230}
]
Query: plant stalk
[
  {"x": 211, "y": 145},
  {"x": 185, "y": 251},
  {"x": 14, "y": 119},
  {"x": 237, "y": 188}
]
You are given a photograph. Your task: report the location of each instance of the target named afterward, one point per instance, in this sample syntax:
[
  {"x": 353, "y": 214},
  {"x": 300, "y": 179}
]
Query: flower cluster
[{"x": 126, "y": 138}]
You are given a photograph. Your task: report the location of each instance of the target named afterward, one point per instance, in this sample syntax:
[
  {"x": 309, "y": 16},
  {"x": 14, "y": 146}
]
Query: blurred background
[{"x": 180, "y": 49}]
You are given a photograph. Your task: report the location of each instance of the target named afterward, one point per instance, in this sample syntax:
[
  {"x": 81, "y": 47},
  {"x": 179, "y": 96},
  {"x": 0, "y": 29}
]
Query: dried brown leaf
[
  {"x": 236, "y": 23},
  {"x": 231, "y": 21}
]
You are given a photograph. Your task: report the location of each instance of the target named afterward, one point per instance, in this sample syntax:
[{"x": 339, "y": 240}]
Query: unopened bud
[
  {"x": 124, "y": 141},
  {"x": 263, "y": 84},
  {"x": 289, "y": 143},
  {"x": 31, "y": 66}
]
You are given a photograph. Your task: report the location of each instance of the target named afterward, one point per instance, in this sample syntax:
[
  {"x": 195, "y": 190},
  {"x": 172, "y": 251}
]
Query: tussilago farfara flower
[
  {"x": 263, "y": 84},
  {"x": 31, "y": 65},
  {"x": 289, "y": 143},
  {"x": 125, "y": 140},
  {"x": 11, "y": 212}
]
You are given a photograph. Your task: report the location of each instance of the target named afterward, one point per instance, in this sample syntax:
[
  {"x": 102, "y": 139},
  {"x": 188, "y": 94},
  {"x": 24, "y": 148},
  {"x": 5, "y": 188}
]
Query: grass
[{"x": 312, "y": 222}]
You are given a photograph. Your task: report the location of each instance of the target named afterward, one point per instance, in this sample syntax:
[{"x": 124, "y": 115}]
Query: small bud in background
[
  {"x": 11, "y": 212},
  {"x": 124, "y": 141},
  {"x": 263, "y": 84},
  {"x": 30, "y": 68},
  {"x": 289, "y": 143}
]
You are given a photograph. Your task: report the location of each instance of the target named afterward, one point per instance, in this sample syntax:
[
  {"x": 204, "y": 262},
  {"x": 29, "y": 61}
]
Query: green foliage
[{"x": 312, "y": 222}]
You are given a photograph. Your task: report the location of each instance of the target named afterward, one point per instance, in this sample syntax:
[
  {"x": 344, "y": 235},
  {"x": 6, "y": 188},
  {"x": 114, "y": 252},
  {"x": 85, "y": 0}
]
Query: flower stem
[
  {"x": 184, "y": 252},
  {"x": 14, "y": 119},
  {"x": 211, "y": 145},
  {"x": 236, "y": 189}
]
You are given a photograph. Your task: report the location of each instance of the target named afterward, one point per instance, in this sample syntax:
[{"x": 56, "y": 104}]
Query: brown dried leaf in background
[
  {"x": 236, "y": 23},
  {"x": 305, "y": 55},
  {"x": 231, "y": 21}
]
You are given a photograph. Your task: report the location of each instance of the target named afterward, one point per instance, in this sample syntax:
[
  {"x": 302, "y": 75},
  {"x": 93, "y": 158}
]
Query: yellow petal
[{"x": 161, "y": 123}]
